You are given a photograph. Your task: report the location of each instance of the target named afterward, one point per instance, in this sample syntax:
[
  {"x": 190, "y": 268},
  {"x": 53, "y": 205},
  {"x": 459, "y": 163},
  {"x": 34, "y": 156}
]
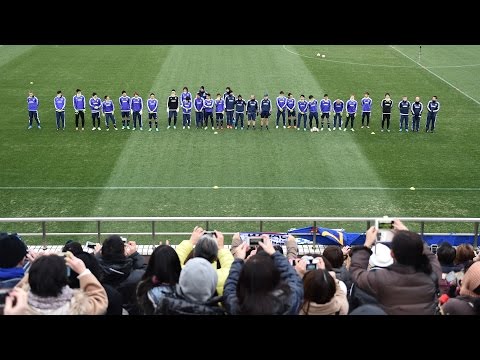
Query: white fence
[{"x": 206, "y": 221}]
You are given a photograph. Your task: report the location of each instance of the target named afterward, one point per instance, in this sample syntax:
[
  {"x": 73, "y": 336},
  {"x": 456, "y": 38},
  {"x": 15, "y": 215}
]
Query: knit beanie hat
[
  {"x": 12, "y": 250},
  {"x": 198, "y": 280},
  {"x": 471, "y": 280}
]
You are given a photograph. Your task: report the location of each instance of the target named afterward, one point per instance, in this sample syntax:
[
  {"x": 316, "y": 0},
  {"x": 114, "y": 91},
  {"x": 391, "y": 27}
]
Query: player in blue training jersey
[
  {"x": 152, "y": 107},
  {"x": 404, "y": 107},
  {"x": 208, "y": 104},
  {"x": 338, "y": 107},
  {"x": 184, "y": 94},
  {"x": 292, "y": 118},
  {"x": 95, "y": 107},
  {"x": 79, "y": 106},
  {"x": 32, "y": 106},
  {"x": 351, "y": 109},
  {"x": 137, "y": 110},
  {"x": 252, "y": 111},
  {"x": 325, "y": 108},
  {"x": 198, "y": 105},
  {"x": 265, "y": 111},
  {"x": 60, "y": 102},
  {"x": 281, "y": 108},
  {"x": 433, "y": 107},
  {"x": 313, "y": 110},
  {"x": 108, "y": 109},
  {"x": 302, "y": 112},
  {"x": 187, "y": 111},
  {"x": 125, "y": 108},
  {"x": 219, "y": 110},
  {"x": 366, "y": 109},
  {"x": 417, "y": 109}
]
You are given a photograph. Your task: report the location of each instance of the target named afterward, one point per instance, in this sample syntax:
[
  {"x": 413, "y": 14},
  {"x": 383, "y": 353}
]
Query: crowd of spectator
[{"x": 201, "y": 276}]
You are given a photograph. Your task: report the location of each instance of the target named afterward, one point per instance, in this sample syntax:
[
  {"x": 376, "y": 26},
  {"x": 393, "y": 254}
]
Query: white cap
[{"x": 381, "y": 256}]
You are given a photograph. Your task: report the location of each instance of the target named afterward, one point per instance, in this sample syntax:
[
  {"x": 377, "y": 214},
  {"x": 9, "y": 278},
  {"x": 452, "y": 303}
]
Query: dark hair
[
  {"x": 229, "y": 89},
  {"x": 202, "y": 87},
  {"x": 78, "y": 90},
  {"x": 325, "y": 95},
  {"x": 59, "y": 92},
  {"x": 334, "y": 255},
  {"x": 239, "y": 96},
  {"x": 113, "y": 249},
  {"x": 105, "y": 96},
  {"x": 464, "y": 253},
  {"x": 198, "y": 93},
  {"x": 185, "y": 88},
  {"x": 91, "y": 263},
  {"x": 446, "y": 253},
  {"x": 281, "y": 92},
  {"x": 152, "y": 94},
  {"x": 206, "y": 248},
  {"x": 73, "y": 246},
  {"x": 48, "y": 275},
  {"x": 310, "y": 96},
  {"x": 435, "y": 96},
  {"x": 94, "y": 93},
  {"x": 387, "y": 94},
  {"x": 258, "y": 279},
  {"x": 218, "y": 94},
  {"x": 135, "y": 93},
  {"x": 367, "y": 93},
  {"x": 319, "y": 287},
  {"x": 163, "y": 268},
  {"x": 302, "y": 95},
  {"x": 124, "y": 92},
  {"x": 173, "y": 89},
  {"x": 289, "y": 93},
  {"x": 407, "y": 248}
]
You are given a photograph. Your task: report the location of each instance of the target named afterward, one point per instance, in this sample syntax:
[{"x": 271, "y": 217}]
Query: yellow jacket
[{"x": 224, "y": 257}]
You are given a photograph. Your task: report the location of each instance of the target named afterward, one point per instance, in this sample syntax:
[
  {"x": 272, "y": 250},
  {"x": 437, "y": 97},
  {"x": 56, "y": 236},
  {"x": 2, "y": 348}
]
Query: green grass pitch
[{"x": 443, "y": 166}]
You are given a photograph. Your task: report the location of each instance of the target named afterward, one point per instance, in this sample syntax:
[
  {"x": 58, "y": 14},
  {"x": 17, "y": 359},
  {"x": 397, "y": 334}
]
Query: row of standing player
[{"x": 235, "y": 108}]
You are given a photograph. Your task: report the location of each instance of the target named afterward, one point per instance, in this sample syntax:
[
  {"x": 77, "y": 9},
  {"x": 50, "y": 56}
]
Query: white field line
[
  {"x": 301, "y": 188},
  {"x": 378, "y": 65},
  {"x": 437, "y": 76}
]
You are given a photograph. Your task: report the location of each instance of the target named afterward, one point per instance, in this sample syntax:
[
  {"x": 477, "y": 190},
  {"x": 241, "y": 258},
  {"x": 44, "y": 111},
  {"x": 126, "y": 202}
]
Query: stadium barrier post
[
  {"x": 206, "y": 225},
  {"x": 368, "y": 224},
  {"x": 153, "y": 233},
  {"x": 261, "y": 226},
  {"x": 422, "y": 228},
  {"x": 475, "y": 235},
  {"x": 98, "y": 231},
  {"x": 44, "y": 235},
  {"x": 314, "y": 236}
]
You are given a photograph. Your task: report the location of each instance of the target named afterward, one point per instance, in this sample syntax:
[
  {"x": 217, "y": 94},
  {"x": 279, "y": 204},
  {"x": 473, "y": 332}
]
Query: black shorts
[
  {"x": 152, "y": 116},
  {"x": 264, "y": 114},
  {"x": 325, "y": 115},
  {"x": 291, "y": 113},
  {"x": 219, "y": 116},
  {"x": 126, "y": 114},
  {"x": 95, "y": 115}
]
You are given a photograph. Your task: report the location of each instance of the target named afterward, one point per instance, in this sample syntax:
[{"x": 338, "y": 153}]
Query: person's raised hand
[
  {"x": 196, "y": 234},
  {"x": 220, "y": 239},
  {"x": 241, "y": 251},
  {"x": 398, "y": 225},
  {"x": 16, "y": 302},
  {"x": 301, "y": 267},
  {"x": 370, "y": 237},
  {"x": 75, "y": 263},
  {"x": 266, "y": 244}
]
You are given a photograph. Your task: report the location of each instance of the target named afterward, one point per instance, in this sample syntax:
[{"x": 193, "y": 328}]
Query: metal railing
[{"x": 206, "y": 221}]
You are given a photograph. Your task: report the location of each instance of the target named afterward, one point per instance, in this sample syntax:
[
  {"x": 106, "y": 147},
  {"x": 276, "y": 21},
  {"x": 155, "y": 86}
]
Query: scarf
[
  {"x": 11, "y": 273},
  {"x": 50, "y": 302},
  {"x": 471, "y": 280}
]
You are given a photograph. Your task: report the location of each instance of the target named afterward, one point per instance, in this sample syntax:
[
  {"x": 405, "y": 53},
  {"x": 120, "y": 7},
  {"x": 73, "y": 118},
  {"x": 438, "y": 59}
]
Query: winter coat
[
  {"x": 338, "y": 304},
  {"x": 286, "y": 304},
  {"x": 399, "y": 289}
]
